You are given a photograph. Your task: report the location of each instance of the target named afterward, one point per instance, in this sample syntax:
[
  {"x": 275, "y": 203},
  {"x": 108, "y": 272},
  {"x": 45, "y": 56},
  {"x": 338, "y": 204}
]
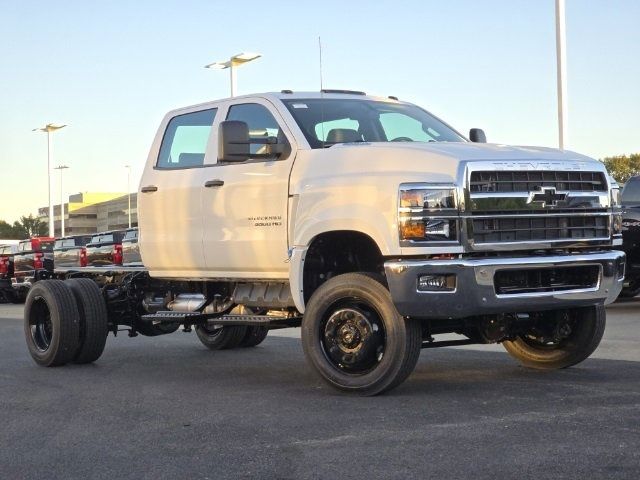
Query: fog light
[{"x": 437, "y": 283}]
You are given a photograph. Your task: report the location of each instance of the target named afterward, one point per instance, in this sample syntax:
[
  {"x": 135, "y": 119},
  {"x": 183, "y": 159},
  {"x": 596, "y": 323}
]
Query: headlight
[
  {"x": 427, "y": 213},
  {"x": 427, "y": 198}
]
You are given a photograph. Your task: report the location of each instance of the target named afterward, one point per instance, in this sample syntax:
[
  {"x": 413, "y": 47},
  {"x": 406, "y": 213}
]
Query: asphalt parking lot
[{"x": 167, "y": 407}]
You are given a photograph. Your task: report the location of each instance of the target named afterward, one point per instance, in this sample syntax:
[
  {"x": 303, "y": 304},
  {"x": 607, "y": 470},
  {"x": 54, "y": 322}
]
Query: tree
[
  {"x": 621, "y": 167},
  {"x": 6, "y": 231},
  {"x": 30, "y": 227}
]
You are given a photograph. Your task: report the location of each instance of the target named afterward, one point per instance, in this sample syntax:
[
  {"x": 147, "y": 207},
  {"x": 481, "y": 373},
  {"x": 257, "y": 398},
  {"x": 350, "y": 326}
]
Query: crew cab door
[
  {"x": 245, "y": 204},
  {"x": 169, "y": 204}
]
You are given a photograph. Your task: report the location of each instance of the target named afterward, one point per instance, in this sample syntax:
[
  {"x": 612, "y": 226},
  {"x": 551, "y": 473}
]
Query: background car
[
  {"x": 631, "y": 236},
  {"x": 70, "y": 251},
  {"x": 32, "y": 262},
  {"x": 131, "y": 249},
  {"x": 105, "y": 248},
  {"x": 6, "y": 272}
]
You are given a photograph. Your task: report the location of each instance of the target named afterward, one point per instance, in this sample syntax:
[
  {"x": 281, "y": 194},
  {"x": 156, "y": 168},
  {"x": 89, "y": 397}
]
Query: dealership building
[{"x": 91, "y": 212}]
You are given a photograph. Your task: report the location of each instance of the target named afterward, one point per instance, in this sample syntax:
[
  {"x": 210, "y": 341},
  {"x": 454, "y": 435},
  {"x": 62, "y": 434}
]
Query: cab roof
[{"x": 293, "y": 95}]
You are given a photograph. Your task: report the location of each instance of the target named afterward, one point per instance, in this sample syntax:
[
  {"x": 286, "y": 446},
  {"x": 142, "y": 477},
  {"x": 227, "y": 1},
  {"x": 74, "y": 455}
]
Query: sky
[{"x": 111, "y": 70}]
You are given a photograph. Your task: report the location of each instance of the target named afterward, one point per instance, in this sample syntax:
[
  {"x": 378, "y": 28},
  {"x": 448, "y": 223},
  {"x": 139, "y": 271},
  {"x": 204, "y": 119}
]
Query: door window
[
  {"x": 185, "y": 140},
  {"x": 261, "y": 123}
]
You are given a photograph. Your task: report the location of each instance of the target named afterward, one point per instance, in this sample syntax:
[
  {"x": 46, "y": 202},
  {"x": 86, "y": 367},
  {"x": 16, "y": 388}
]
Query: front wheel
[
  {"x": 355, "y": 339},
  {"x": 631, "y": 289},
  {"x": 561, "y": 340}
]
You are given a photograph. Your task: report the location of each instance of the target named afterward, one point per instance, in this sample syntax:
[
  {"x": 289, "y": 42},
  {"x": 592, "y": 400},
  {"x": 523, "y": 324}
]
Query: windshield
[
  {"x": 326, "y": 122},
  {"x": 631, "y": 192}
]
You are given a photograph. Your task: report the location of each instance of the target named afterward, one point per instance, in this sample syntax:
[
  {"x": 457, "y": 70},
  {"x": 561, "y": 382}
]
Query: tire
[
  {"x": 255, "y": 336},
  {"x": 587, "y": 328},
  {"x": 94, "y": 323},
  {"x": 221, "y": 338},
  {"x": 354, "y": 338},
  {"x": 51, "y": 323},
  {"x": 631, "y": 290}
]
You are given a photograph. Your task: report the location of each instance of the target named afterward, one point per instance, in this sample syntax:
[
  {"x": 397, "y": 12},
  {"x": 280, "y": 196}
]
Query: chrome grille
[
  {"x": 526, "y": 181},
  {"x": 505, "y": 208}
]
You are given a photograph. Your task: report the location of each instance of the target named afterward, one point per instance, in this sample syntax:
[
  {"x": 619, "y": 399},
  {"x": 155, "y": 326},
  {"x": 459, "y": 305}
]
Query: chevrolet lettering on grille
[{"x": 547, "y": 196}]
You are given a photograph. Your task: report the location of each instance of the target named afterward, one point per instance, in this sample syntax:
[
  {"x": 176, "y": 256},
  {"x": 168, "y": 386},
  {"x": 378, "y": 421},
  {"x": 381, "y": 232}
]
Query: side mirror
[
  {"x": 233, "y": 141},
  {"x": 477, "y": 135}
]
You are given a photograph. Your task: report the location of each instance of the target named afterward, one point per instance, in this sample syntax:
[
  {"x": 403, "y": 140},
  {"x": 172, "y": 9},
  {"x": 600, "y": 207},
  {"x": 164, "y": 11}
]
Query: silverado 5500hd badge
[{"x": 266, "y": 220}]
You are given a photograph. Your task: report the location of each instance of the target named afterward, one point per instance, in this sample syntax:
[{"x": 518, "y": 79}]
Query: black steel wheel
[
  {"x": 353, "y": 336},
  {"x": 355, "y": 339},
  {"x": 51, "y": 323},
  {"x": 561, "y": 340},
  {"x": 94, "y": 323}
]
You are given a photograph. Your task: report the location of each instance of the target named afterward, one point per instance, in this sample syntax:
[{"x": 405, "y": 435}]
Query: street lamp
[
  {"x": 49, "y": 128},
  {"x": 61, "y": 167},
  {"x": 561, "y": 59},
  {"x": 232, "y": 64},
  {"x": 128, "y": 167}
]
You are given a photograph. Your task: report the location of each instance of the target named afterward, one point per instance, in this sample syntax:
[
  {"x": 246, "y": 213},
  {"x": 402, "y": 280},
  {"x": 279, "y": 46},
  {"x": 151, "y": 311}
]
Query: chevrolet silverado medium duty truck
[{"x": 367, "y": 221}]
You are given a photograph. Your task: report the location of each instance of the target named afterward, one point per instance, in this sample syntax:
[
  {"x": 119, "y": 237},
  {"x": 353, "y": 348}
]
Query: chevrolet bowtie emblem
[{"x": 547, "y": 196}]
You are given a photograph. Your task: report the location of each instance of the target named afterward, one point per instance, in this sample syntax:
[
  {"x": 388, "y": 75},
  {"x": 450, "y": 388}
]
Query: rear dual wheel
[
  {"x": 51, "y": 323},
  {"x": 232, "y": 336},
  {"x": 65, "y": 322}
]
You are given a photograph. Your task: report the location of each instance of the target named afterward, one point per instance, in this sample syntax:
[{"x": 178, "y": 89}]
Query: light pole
[
  {"x": 128, "y": 167},
  {"x": 61, "y": 167},
  {"x": 49, "y": 128},
  {"x": 561, "y": 59},
  {"x": 232, "y": 64}
]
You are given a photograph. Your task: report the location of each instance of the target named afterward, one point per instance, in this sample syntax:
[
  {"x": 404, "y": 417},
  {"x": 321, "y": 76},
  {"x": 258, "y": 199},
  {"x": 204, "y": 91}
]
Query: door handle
[
  {"x": 149, "y": 189},
  {"x": 214, "y": 183}
]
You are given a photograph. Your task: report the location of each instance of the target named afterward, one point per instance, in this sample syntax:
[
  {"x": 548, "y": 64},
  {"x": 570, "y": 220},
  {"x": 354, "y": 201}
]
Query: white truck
[{"x": 368, "y": 222}]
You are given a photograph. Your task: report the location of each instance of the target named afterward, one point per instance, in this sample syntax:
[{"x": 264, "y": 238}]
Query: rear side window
[{"x": 185, "y": 140}]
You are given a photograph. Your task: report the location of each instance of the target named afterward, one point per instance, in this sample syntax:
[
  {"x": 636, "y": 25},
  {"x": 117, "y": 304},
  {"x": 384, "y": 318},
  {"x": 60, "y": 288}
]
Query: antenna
[
  {"x": 321, "y": 91},
  {"x": 320, "y": 53}
]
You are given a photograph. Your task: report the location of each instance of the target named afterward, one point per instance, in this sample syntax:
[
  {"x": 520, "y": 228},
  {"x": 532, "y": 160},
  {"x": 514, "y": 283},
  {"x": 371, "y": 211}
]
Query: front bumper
[{"x": 475, "y": 292}]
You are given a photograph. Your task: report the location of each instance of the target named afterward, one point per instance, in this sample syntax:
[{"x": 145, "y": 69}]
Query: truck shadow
[{"x": 279, "y": 364}]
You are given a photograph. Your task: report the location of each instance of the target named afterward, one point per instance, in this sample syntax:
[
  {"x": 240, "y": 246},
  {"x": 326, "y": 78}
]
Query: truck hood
[{"x": 440, "y": 160}]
